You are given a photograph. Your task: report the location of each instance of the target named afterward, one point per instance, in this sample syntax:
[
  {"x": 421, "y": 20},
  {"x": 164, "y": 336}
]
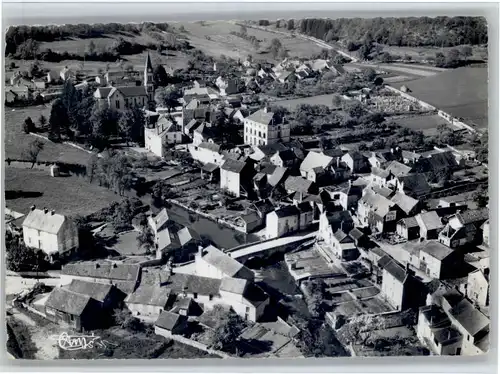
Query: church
[{"x": 121, "y": 98}]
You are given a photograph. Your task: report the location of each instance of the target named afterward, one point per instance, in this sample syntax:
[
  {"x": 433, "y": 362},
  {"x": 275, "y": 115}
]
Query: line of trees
[{"x": 402, "y": 31}]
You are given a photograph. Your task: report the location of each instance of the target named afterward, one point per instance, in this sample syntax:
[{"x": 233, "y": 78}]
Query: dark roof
[
  {"x": 233, "y": 166},
  {"x": 168, "y": 320},
  {"x": 436, "y": 249},
  {"x": 395, "y": 269},
  {"x": 193, "y": 284},
  {"x": 304, "y": 207},
  {"x": 149, "y": 295},
  {"x": 410, "y": 222},
  {"x": 356, "y": 155},
  {"x": 337, "y": 218},
  {"x": 210, "y": 146},
  {"x": 469, "y": 317},
  {"x": 254, "y": 294},
  {"x": 442, "y": 160},
  {"x": 384, "y": 260},
  {"x": 297, "y": 184},
  {"x": 210, "y": 167},
  {"x": 261, "y": 116},
  {"x": 97, "y": 291},
  {"x": 416, "y": 183},
  {"x": 287, "y": 211},
  {"x": 131, "y": 91},
  {"x": 271, "y": 149},
  {"x": 356, "y": 233},
  {"x": 474, "y": 216},
  {"x": 104, "y": 270},
  {"x": 381, "y": 172},
  {"x": 263, "y": 206},
  {"x": 287, "y": 155},
  {"x": 68, "y": 302}
]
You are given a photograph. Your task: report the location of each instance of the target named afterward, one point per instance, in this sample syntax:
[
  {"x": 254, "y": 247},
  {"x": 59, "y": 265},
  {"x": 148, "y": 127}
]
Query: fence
[{"x": 198, "y": 345}]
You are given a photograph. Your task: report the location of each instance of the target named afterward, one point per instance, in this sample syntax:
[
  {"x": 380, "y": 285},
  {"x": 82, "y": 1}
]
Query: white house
[
  {"x": 282, "y": 221},
  {"x": 165, "y": 131},
  {"x": 244, "y": 297},
  {"x": 314, "y": 164},
  {"x": 232, "y": 175},
  {"x": 52, "y": 233},
  {"x": 122, "y": 98},
  {"x": 211, "y": 262},
  {"x": 264, "y": 127}
]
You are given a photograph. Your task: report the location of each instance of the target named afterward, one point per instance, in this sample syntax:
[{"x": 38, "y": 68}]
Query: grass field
[
  {"x": 427, "y": 124},
  {"x": 66, "y": 195},
  {"x": 223, "y": 43},
  {"x": 422, "y": 53},
  {"x": 312, "y": 100},
  {"x": 16, "y": 141}
]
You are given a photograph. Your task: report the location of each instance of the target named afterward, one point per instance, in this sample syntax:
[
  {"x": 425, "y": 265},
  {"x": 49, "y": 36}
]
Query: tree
[
  {"x": 440, "y": 60},
  {"x": 28, "y": 125},
  {"x": 386, "y": 57},
  {"x": 227, "y": 330},
  {"x": 70, "y": 99},
  {"x": 33, "y": 150},
  {"x": 160, "y": 76},
  {"x": 243, "y": 29},
  {"x": 42, "y": 121},
  {"x": 91, "y": 48},
  {"x": 336, "y": 101},
  {"x": 145, "y": 239},
  {"x": 126, "y": 124},
  {"x": 481, "y": 197},
  {"x": 23, "y": 258},
  {"x": 58, "y": 116},
  {"x": 28, "y": 50},
  {"x": 275, "y": 47},
  {"x": 369, "y": 74},
  {"x": 92, "y": 167},
  {"x": 290, "y": 24},
  {"x": 452, "y": 58},
  {"x": 355, "y": 109},
  {"x": 34, "y": 69},
  {"x": 167, "y": 96}
]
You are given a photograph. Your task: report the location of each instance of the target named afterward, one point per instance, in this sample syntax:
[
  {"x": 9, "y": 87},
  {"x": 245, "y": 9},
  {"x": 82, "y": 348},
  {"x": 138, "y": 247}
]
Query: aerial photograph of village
[{"x": 257, "y": 188}]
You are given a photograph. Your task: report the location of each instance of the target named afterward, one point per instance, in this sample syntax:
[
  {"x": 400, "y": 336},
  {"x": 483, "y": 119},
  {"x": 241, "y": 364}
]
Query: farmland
[
  {"x": 428, "y": 124},
  {"x": 68, "y": 195},
  {"x": 312, "y": 100}
]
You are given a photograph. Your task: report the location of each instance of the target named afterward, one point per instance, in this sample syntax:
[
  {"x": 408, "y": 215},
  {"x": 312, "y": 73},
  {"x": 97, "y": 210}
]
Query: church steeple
[{"x": 148, "y": 78}]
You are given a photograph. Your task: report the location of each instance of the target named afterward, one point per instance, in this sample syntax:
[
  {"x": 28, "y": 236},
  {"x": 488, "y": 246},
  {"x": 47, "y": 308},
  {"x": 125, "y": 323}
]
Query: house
[
  {"x": 302, "y": 186},
  {"x": 410, "y": 157},
  {"x": 165, "y": 131},
  {"x": 435, "y": 330},
  {"x": 107, "y": 295},
  {"x": 205, "y": 133},
  {"x": 277, "y": 176},
  {"x": 344, "y": 247},
  {"x": 169, "y": 324},
  {"x": 381, "y": 159},
  {"x": 314, "y": 165},
  {"x": 414, "y": 185},
  {"x": 331, "y": 222},
  {"x": 191, "y": 126},
  {"x": 407, "y": 204},
  {"x": 378, "y": 212},
  {"x": 207, "y": 152},
  {"x": 21, "y": 92},
  {"x": 462, "y": 200},
  {"x": 436, "y": 259},
  {"x": 429, "y": 224},
  {"x": 478, "y": 287},
  {"x": 355, "y": 161},
  {"x": 246, "y": 298},
  {"x": 147, "y": 302},
  {"x": 346, "y": 195},
  {"x": 72, "y": 309},
  {"x": 54, "y": 234},
  {"x": 124, "y": 277},
  {"x": 399, "y": 286},
  {"x": 53, "y": 77},
  {"x": 39, "y": 84},
  {"x": 265, "y": 152},
  {"x": 234, "y": 175},
  {"x": 398, "y": 169},
  {"x": 284, "y": 76},
  {"x": 227, "y": 86},
  {"x": 210, "y": 172},
  {"x": 464, "y": 228},
  {"x": 265, "y": 127},
  {"x": 255, "y": 218},
  {"x": 66, "y": 73},
  {"x": 320, "y": 65},
  {"x": 408, "y": 228},
  {"x": 306, "y": 215},
  {"x": 438, "y": 163},
  {"x": 282, "y": 221},
  {"x": 10, "y": 96},
  {"x": 380, "y": 177},
  {"x": 284, "y": 159},
  {"x": 186, "y": 306},
  {"x": 211, "y": 262}
]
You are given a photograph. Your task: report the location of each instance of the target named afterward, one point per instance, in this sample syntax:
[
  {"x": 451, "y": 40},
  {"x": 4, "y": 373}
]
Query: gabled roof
[
  {"x": 276, "y": 176},
  {"x": 46, "y": 222},
  {"x": 436, "y": 249},
  {"x": 159, "y": 221},
  {"x": 286, "y": 155},
  {"x": 409, "y": 222},
  {"x": 429, "y": 220},
  {"x": 416, "y": 183},
  {"x": 339, "y": 219},
  {"x": 474, "y": 216},
  {"x": 168, "y": 320},
  {"x": 233, "y": 166},
  {"x": 149, "y": 295},
  {"x": 191, "y": 125},
  {"x": 313, "y": 160},
  {"x": 356, "y": 233},
  {"x": 381, "y": 172},
  {"x": 469, "y": 317},
  {"x": 395, "y": 269},
  {"x": 132, "y": 91},
  {"x": 233, "y": 285},
  {"x": 298, "y": 184},
  {"x": 304, "y": 207},
  {"x": 103, "y": 270},
  {"x": 287, "y": 211},
  {"x": 68, "y": 302},
  {"x": 222, "y": 261},
  {"x": 97, "y": 291},
  {"x": 185, "y": 235},
  {"x": 377, "y": 203},
  {"x": 263, "y": 206},
  {"x": 214, "y": 147},
  {"x": 397, "y": 168},
  {"x": 262, "y": 116},
  {"x": 406, "y": 203},
  {"x": 210, "y": 167},
  {"x": 190, "y": 283}
]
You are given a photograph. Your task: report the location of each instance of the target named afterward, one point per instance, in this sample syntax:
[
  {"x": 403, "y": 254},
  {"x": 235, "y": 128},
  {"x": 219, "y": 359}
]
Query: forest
[{"x": 410, "y": 31}]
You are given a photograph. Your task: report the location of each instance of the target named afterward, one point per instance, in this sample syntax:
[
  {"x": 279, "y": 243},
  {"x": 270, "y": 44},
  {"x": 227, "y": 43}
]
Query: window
[
  {"x": 468, "y": 337},
  {"x": 195, "y": 295},
  {"x": 247, "y": 309},
  {"x": 458, "y": 351},
  {"x": 210, "y": 297},
  {"x": 117, "y": 104}
]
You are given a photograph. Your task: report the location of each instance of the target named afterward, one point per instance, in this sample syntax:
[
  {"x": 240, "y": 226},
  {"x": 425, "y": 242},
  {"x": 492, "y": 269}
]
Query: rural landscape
[{"x": 267, "y": 188}]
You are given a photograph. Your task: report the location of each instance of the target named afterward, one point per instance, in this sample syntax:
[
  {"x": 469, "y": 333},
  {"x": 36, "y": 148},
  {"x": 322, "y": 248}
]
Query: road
[{"x": 15, "y": 284}]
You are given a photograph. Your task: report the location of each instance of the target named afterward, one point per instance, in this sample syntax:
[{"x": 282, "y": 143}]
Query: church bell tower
[{"x": 148, "y": 80}]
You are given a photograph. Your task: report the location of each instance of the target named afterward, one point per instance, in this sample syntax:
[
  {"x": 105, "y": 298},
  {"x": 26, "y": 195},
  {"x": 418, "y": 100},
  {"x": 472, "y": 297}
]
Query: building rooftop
[
  {"x": 297, "y": 184},
  {"x": 222, "y": 261},
  {"x": 179, "y": 283},
  {"x": 149, "y": 295},
  {"x": 68, "y": 302},
  {"x": 233, "y": 166},
  {"x": 46, "y": 222},
  {"x": 405, "y": 202},
  {"x": 429, "y": 220},
  {"x": 313, "y": 160},
  {"x": 262, "y": 116},
  {"x": 435, "y": 249},
  {"x": 97, "y": 291},
  {"x": 287, "y": 211},
  {"x": 168, "y": 320},
  {"x": 469, "y": 317},
  {"x": 233, "y": 285}
]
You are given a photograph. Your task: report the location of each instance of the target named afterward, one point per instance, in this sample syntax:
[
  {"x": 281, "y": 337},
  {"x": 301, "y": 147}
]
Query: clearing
[
  {"x": 312, "y": 100},
  {"x": 427, "y": 123},
  {"x": 16, "y": 141},
  {"x": 70, "y": 195}
]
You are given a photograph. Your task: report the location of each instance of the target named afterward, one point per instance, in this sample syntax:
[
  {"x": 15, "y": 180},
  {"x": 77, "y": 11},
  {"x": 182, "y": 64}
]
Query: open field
[
  {"x": 312, "y": 100},
  {"x": 16, "y": 141},
  {"x": 221, "y": 42},
  {"x": 66, "y": 195},
  {"x": 422, "y": 53},
  {"x": 428, "y": 124},
  {"x": 462, "y": 93}
]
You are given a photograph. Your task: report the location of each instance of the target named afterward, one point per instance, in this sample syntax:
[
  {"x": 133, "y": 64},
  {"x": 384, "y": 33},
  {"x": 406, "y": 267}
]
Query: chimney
[
  {"x": 33, "y": 207},
  {"x": 52, "y": 212},
  {"x": 266, "y": 109},
  {"x": 96, "y": 265},
  {"x": 392, "y": 150},
  {"x": 45, "y": 210},
  {"x": 115, "y": 265},
  {"x": 338, "y": 162},
  {"x": 449, "y": 334},
  {"x": 200, "y": 250}
]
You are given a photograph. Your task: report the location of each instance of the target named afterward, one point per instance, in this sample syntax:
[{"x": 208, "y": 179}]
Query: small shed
[
  {"x": 55, "y": 170},
  {"x": 169, "y": 323}
]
